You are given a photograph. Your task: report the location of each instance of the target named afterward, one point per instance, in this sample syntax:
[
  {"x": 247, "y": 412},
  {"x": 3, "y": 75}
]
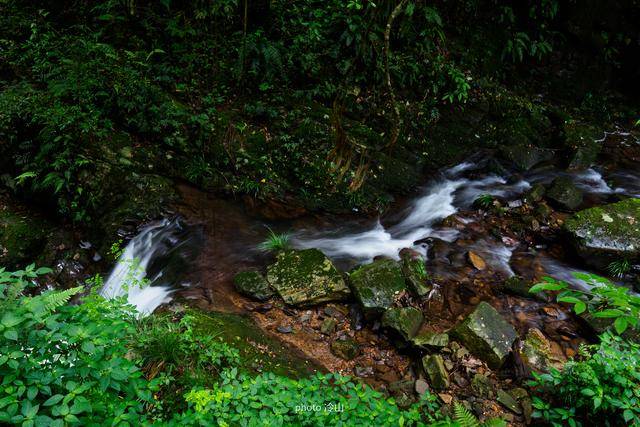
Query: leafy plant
[
  {"x": 484, "y": 201},
  {"x": 619, "y": 268},
  {"x": 64, "y": 364},
  {"x": 602, "y": 300},
  {"x": 603, "y": 384},
  {"x": 276, "y": 242}
]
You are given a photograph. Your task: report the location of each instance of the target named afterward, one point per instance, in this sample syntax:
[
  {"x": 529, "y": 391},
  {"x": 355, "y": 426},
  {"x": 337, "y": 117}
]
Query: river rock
[
  {"x": 345, "y": 349},
  {"x": 537, "y": 352},
  {"x": 253, "y": 285},
  {"x": 476, "y": 260},
  {"x": 535, "y": 194},
  {"x": 583, "y": 144},
  {"x": 433, "y": 365},
  {"x": 525, "y": 156},
  {"x": 564, "y": 194},
  {"x": 487, "y": 335},
  {"x": 328, "y": 326},
  {"x": 607, "y": 233},
  {"x": 508, "y": 401},
  {"x": 415, "y": 273},
  {"x": 405, "y": 320},
  {"x": 430, "y": 340},
  {"x": 306, "y": 277},
  {"x": 376, "y": 285}
]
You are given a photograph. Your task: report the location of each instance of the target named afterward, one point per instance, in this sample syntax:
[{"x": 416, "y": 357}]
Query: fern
[
  {"x": 54, "y": 300},
  {"x": 464, "y": 417}
]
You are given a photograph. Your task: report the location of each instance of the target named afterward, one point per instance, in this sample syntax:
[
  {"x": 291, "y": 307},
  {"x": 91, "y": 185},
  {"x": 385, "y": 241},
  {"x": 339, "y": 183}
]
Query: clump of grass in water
[
  {"x": 619, "y": 268},
  {"x": 276, "y": 242},
  {"x": 484, "y": 201}
]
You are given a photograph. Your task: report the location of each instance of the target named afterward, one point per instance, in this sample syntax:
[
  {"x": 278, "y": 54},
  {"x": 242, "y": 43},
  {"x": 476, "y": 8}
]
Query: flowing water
[{"x": 154, "y": 263}]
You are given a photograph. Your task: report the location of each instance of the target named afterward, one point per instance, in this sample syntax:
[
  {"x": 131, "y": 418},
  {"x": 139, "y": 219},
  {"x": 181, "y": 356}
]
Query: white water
[
  {"x": 129, "y": 276},
  {"x": 439, "y": 200}
]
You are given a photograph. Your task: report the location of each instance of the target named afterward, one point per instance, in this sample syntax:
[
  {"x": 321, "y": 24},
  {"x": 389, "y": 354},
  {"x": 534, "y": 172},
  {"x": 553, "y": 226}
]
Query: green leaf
[
  {"x": 620, "y": 325},
  {"x": 10, "y": 320},
  {"x": 11, "y": 334},
  {"x": 609, "y": 313},
  {"x": 627, "y": 415},
  {"x": 53, "y": 400},
  {"x": 547, "y": 286}
]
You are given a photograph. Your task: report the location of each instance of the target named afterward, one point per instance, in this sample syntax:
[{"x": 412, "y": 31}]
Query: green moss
[
  {"x": 258, "y": 352},
  {"x": 405, "y": 320},
  {"x": 306, "y": 277},
  {"x": 22, "y": 238},
  {"x": 583, "y": 144},
  {"x": 253, "y": 285},
  {"x": 376, "y": 285}
]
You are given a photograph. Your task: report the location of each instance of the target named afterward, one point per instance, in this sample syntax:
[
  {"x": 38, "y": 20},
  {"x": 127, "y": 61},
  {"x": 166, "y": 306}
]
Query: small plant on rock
[{"x": 276, "y": 242}]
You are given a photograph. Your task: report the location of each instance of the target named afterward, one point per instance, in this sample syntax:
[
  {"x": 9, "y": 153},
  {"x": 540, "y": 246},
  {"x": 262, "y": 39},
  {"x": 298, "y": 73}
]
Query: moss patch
[
  {"x": 376, "y": 285},
  {"x": 22, "y": 237}
]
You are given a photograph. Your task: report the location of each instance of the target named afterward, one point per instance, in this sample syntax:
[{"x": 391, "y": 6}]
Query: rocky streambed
[{"x": 431, "y": 296}]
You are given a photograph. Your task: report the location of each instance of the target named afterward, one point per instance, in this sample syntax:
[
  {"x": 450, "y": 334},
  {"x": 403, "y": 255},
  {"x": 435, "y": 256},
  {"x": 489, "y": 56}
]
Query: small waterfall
[{"x": 152, "y": 265}]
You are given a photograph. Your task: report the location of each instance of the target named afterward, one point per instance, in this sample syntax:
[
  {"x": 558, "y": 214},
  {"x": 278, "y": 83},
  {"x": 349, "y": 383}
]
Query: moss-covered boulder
[
  {"x": 538, "y": 354},
  {"x": 404, "y": 320},
  {"x": 564, "y": 194},
  {"x": 433, "y": 366},
  {"x": 306, "y": 277},
  {"x": 22, "y": 237},
  {"x": 583, "y": 144},
  {"x": 377, "y": 285},
  {"x": 487, "y": 335},
  {"x": 607, "y": 233},
  {"x": 525, "y": 156},
  {"x": 253, "y": 285}
]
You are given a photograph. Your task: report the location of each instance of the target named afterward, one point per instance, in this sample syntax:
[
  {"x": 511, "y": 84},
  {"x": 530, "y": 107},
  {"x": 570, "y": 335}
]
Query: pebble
[
  {"x": 446, "y": 398},
  {"x": 305, "y": 317},
  {"x": 284, "y": 329},
  {"x": 263, "y": 308},
  {"x": 363, "y": 371},
  {"x": 421, "y": 387}
]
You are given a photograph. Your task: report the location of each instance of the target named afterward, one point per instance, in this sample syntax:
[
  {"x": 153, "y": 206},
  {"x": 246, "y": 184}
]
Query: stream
[{"x": 154, "y": 263}]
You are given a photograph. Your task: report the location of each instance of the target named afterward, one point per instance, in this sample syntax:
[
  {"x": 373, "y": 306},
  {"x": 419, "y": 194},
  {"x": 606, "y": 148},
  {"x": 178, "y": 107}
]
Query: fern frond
[
  {"x": 54, "y": 300},
  {"x": 464, "y": 417}
]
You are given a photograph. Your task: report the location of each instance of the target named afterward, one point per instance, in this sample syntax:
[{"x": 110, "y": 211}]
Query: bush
[{"x": 603, "y": 385}]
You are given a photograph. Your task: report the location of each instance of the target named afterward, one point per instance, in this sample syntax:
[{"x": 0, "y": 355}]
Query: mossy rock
[
  {"x": 537, "y": 352},
  {"x": 376, "y": 286},
  {"x": 345, "y": 349},
  {"x": 416, "y": 275},
  {"x": 306, "y": 277},
  {"x": 608, "y": 233},
  {"x": 525, "y": 156},
  {"x": 22, "y": 238},
  {"x": 433, "y": 366},
  {"x": 253, "y": 285},
  {"x": 258, "y": 351},
  {"x": 487, "y": 335},
  {"x": 404, "y": 320},
  {"x": 564, "y": 194},
  {"x": 430, "y": 340},
  {"x": 583, "y": 144}
]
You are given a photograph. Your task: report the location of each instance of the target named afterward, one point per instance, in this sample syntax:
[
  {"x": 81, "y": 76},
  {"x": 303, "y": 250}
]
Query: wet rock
[
  {"x": 564, "y": 194},
  {"x": 433, "y": 365},
  {"x": 508, "y": 402},
  {"x": 525, "y": 156},
  {"x": 487, "y": 335},
  {"x": 542, "y": 211},
  {"x": 252, "y": 285},
  {"x": 345, "y": 349},
  {"x": 430, "y": 340},
  {"x": 406, "y": 321},
  {"x": 535, "y": 194},
  {"x": 482, "y": 387},
  {"x": 263, "y": 308},
  {"x": 476, "y": 260},
  {"x": 363, "y": 371},
  {"x": 376, "y": 286},
  {"x": 583, "y": 144},
  {"x": 328, "y": 326},
  {"x": 537, "y": 352},
  {"x": 284, "y": 329},
  {"x": 415, "y": 273},
  {"x": 306, "y": 277},
  {"x": 401, "y": 387},
  {"x": 421, "y": 387},
  {"x": 607, "y": 233},
  {"x": 516, "y": 285}
]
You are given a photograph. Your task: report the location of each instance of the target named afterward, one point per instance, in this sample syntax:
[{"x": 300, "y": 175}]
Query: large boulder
[
  {"x": 607, "y": 233},
  {"x": 377, "y": 285},
  {"x": 564, "y": 194},
  {"x": 253, "y": 285},
  {"x": 306, "y": 277},
  {"x": 404, "y": 320},
  {"x": 487, "y": 335}
]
